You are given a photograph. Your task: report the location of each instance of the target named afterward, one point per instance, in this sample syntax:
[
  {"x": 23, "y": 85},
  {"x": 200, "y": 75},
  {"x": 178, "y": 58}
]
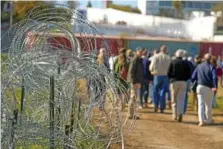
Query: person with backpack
[
  {"x": 135, "y": 77},
  {"x": 121, "y": 72}
]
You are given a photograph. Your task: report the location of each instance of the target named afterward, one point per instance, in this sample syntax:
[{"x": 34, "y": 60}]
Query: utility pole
[{"x": 11, "y": 13}]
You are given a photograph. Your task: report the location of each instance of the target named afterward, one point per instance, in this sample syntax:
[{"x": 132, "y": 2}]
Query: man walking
[
  {"x": 178, "y": 73},
  {"x": 205, "y": 75},
  {"x": 144, "y": 90},
  {"x": 135, "y": 77},
  {"x": 159, "y": 67}
]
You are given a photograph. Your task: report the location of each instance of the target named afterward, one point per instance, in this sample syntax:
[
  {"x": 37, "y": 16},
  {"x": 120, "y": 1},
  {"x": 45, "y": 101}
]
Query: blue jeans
[
  {"x": 151, "y": 91},
  {"x": 160, "y": 87},
  {"x": 186, "y": 96},
  {"x": 144, "y": 90},
  {"x": 168, "y": 92}
]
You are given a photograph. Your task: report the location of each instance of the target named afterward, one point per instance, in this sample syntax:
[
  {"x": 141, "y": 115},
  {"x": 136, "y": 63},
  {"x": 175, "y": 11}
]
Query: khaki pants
[
  {"x": 178, "y": 90},
  {"x": 205, "y": 97},
  {"x": 133, "y": 104}
]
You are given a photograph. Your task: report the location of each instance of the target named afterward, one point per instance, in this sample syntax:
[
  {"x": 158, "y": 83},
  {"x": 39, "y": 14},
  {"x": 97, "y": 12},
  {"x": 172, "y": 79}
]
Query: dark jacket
[
  {"x": 179, "y": 70},
  {"x": 192, "y": 66},
  {"x": 196, "y": 64},
  {"x": 135, "y": 72},
  {"x": 194, "y": 84},
  {"x": 205, "y": 74},
  {"x": 147, "y": 76}
]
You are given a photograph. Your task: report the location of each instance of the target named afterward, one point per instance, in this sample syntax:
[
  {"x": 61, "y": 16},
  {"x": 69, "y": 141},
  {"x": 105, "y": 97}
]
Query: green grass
[
  {"x": 4, "y": 57},
  {"x": 219, "y": 100},
  {"x": 219, "y": 103}
]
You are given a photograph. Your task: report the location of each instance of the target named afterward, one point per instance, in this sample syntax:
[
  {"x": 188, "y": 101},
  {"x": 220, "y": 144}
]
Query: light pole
[{"x": 11, "y": 13}]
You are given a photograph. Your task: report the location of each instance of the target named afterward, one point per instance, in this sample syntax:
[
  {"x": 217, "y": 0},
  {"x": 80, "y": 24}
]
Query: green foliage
[
  {"x": 219, "y": 102},
  {"x": 124, "y": 34},
  {"x": 124, "y": 8},
  {"x": 167, "y": 12},
  {"x": 216, "y": 8},
  {"x": 4, "y": 57},
  {"x": 89, "y": 5},
  {"x": 72, "y": 4},
  {"x": 178, "y": 5},
  {"x": 4, "y": 15},
  {"x": 140, "y": 31},
  {"x": 21, "y": 8},
  {"x": 109, "y": 3}
]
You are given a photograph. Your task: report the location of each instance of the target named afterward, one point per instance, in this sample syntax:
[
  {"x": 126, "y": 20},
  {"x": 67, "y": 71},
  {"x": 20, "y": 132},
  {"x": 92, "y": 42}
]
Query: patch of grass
[
  {"x": 4, "y": 57},
  {"x": 219, "y": 100}
]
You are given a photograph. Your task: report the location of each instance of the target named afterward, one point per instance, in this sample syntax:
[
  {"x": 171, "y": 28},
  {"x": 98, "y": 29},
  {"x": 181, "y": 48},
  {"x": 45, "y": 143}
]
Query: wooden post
[
  {"x": 72, "y": 117},
  {"x": 22, "y": 99},
  {"x": 58, "y": 106},
  {"x": 51, "y": 112},
  {"x": 66, "y": 139},
  {"x": 14, "y": 122}
]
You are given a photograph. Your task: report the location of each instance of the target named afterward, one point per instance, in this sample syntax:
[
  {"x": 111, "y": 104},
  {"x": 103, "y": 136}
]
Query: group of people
[{"x": 174, "y": 77}]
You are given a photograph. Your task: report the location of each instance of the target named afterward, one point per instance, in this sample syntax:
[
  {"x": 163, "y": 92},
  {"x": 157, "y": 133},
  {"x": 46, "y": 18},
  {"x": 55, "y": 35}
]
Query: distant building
[{"x": 156, "y": 7}]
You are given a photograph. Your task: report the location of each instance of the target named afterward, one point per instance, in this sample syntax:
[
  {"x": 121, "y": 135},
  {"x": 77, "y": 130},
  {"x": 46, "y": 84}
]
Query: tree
[
  {"x": 166, "y": 12},
  {"x": 20, "y": 9},
  {"x": 4, "y": 14},
  {"x": 125, "y": 8},
  {"x": 178, "y": 5},
  {"x": 72, "y": 4},
  {"x": 89, "y": 5},
  {"x": 108, "y": 3},
  {"x": 218, "y": 8}
]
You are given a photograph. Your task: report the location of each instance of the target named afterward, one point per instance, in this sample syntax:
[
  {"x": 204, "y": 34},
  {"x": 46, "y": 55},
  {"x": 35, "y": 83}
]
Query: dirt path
[{"x": 158, "y": 131}]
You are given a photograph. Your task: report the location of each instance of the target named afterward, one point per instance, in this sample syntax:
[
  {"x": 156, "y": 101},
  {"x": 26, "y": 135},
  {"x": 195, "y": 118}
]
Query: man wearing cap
[
  {"x": 205, "y": 74},
  {"x": 178, "y": 73},
  {"x": 159, "y": 68}
]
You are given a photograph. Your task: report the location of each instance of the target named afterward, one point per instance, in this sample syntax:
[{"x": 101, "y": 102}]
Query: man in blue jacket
[{"x": 205, "y": 75}]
